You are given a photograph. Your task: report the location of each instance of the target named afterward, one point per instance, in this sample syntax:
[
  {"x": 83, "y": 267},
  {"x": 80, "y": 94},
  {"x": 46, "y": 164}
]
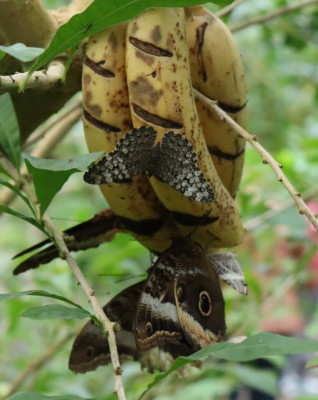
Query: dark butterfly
[{"x": 178, "y": 309}]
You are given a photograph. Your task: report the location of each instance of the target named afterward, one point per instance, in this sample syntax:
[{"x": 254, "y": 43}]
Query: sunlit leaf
[
  {"x": 42, "y": 293},
  {"x": 313, "y": 363},
  {"x": 18, "y": 192},
  {"x": 261, "y": 345},
  {"x": 49, "y": 175},
  {"x": 22, "y": 52},
  {"x": 55, "y": 311},
  {"x": 30, "y": 220},
  {"x": 9, "y": 130}
]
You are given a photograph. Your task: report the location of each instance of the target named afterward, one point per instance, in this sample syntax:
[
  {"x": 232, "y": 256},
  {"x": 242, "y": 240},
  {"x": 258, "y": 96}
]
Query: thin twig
[
  {"x": 108, "y": 326},
  {"x": 271, "y": 15},
  {"x": 61, "y": 126},
  {"x": 266, "y": 156},
  {"x": 36, "y": 364},
  {"x": 38, "y": 80},
  {"x": 226, "y": 10}
]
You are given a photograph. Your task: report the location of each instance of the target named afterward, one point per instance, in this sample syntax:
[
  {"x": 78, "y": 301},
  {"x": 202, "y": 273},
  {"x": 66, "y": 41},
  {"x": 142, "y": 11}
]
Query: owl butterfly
[{"x": 177, "y": 310}]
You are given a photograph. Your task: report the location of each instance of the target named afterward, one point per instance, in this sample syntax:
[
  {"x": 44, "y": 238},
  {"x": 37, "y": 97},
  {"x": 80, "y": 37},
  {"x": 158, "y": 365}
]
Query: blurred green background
[{"x": 280, "y": 58}]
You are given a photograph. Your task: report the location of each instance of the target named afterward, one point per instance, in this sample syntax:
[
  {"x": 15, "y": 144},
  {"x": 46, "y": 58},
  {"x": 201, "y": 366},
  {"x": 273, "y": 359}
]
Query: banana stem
[{"x": 266, "y": 156}]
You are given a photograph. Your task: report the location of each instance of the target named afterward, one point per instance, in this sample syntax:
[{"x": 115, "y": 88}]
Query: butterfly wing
[
  {"x": 91, "y": 350},
  {"x": 174, "y": 162},
  {"x": 130, "y": 157},
  {"x": 228, "y": 268},
  {"x": 200, "y": 308},
  {"x": 198, "y": 296},
  {"x": 157, "y": 322}
]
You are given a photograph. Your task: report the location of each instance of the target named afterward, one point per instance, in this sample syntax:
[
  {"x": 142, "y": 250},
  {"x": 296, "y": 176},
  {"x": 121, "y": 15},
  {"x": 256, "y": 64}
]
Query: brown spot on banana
[
  {"x": 97, "y": 67},
  {"x": 156, "y": 34},
  {"x": 99, "y": 124},
  {"x": 149, "y": 48},
  {"x": 143, "y": 89},
  {"x": 155, "y": 119}
]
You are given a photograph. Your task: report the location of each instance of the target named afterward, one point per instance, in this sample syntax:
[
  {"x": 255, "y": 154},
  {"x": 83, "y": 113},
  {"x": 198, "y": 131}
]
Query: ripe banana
[
  {"x": 106, "y": 119},
  {"x": 160, "y": 95},
  {"x": 217, "y": 72}
]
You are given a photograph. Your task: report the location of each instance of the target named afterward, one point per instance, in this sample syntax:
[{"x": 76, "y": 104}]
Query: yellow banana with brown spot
[
  {"x": 217, "y": 72},
  {"x": 177, "y": 162},
  {"x": 106, "y": 119},
  {"x": 161, "y": 98},
  {"x": 160, "y": 93}
]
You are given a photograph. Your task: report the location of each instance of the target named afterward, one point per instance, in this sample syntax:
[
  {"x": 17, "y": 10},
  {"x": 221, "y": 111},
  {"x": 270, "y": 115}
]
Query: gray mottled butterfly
[{"x": 172, "y": 161}]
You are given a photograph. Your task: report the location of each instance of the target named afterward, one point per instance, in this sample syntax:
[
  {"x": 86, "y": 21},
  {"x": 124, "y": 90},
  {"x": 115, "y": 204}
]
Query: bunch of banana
[{"x": 170, "y": 162}]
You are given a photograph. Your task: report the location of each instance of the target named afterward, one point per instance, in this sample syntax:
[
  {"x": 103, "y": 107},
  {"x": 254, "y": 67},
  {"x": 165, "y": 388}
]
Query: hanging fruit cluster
[{"x": 176, "y": 173}]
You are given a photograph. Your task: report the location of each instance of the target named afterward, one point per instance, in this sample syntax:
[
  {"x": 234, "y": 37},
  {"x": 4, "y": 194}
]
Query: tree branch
[
  {"x": 271, "y": 15},
  {"x": 267, "y": 158},
  {"x": 38, "y": 80},
  {"x": 226, "y": 10}
]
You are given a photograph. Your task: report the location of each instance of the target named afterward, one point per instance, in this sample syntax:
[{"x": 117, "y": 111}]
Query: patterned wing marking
[
  {"x": 229, "y": 269},
  {"x": 130, "y": 157},
  {"x": 174, "y": 162}
]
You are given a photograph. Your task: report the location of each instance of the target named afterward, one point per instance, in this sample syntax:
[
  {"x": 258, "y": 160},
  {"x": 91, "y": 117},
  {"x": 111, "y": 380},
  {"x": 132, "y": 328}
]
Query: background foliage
[{"x": 280, "y": 58}]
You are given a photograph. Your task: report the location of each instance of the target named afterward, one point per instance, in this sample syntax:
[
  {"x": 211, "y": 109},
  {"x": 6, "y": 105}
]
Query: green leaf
[
  {"x": 30, "y": 220},
  {"x": 49, "y": 175},
  {"x": 55, "y": 311},
  {"x": 261, "y": 345},
  {"x": 19, "y": 193},
  {"x": 313, "y": 363},
  {"x": 42, "y": 293},
  {"x": 97, "y": 16},
  {"x": 260, "y": 379},
  {"x": 80, "y": 163},
  {"x": 9, "y": 130},
  {"x": 22, "y": 52},
  {"x": 39, "y": 396}
]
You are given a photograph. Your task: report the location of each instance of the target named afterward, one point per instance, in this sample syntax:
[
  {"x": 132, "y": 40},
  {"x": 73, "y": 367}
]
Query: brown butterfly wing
[
  {"x": 157, "y": 322},
  {"x": 200, "y": 308},
  {"x": 90, "y": 348}
]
